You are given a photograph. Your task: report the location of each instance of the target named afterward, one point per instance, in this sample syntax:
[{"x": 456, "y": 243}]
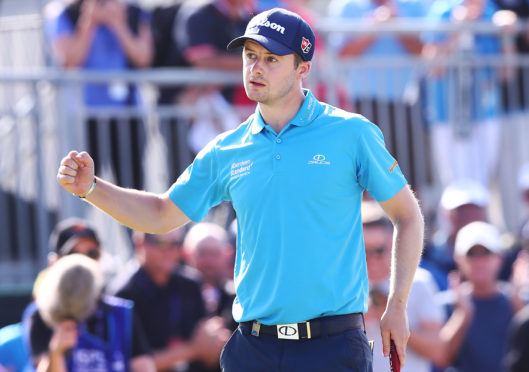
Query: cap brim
[
  {"x": 271, "y": 45},
  {"x": 68, "y": 245}
]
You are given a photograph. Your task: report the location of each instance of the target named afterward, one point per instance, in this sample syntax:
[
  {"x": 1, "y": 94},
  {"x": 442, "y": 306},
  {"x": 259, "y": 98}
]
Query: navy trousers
[{"x": 345, "y": 352}]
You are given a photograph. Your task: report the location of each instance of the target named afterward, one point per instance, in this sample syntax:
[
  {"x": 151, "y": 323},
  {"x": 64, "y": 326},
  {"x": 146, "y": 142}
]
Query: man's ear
[{"x": 304, "y": 69}]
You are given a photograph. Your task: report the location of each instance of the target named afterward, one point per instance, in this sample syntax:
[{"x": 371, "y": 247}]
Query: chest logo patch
[
  {"x": 319, "y": 159},
  {"x": 240, "y": 169}
]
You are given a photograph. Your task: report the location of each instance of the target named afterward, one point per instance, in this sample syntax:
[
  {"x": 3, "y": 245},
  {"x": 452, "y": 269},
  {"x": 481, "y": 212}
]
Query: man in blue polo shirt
[{"x": 295, "y": 172}]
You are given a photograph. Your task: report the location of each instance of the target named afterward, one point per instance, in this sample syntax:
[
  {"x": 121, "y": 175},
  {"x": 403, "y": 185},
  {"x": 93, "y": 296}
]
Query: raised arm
[
  {"x": 139, "y": 210},
  {"x": 404, "y": 211}
]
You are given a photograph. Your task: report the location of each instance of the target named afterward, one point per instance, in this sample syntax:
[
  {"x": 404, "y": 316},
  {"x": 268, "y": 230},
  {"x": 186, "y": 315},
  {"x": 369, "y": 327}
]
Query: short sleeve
[
  {"x": 58, "y": 24},
  {"x": 197, "y": 190},
  {"x": 378, "y": 171},
  {"x": 39, "y": 335}
]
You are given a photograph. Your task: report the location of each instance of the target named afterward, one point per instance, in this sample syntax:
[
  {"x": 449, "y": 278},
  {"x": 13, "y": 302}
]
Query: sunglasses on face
[
  {"x": 478, "y": 252},
  {"x": 379, "y": 251},
  {"x": 163, "y": 244},
  {"x": 93, "y": 253}
]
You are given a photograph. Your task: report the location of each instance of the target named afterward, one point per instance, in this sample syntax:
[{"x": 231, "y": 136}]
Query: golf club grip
[{"x": 394, "y": 361}]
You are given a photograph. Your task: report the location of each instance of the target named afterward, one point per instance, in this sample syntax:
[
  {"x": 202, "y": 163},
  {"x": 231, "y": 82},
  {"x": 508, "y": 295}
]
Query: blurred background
[{"x": 447, "y": 86}]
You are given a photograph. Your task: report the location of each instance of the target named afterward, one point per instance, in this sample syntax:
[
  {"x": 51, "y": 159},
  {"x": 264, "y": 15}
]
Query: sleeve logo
[{"x": 393, "y": 166}]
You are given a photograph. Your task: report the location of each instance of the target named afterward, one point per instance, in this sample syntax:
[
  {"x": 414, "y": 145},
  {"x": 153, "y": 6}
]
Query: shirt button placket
[
  {"x": 278, "y": 141},
  {"x": 277, "y": 154}
]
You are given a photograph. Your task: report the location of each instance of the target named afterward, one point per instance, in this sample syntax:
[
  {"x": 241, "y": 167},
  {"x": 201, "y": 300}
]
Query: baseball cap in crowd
[
  {"x": 523, "y": 177},
  {"x": 65, "y": 235},
  {"x": 463, "y": 192},
  {"x": 478, "y": 233},
  {"x": 281, "y": 32}
]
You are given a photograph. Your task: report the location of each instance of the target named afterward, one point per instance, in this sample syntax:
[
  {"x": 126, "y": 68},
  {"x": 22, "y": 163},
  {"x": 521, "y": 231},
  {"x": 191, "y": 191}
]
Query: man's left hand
[{"x": 394, "y": 326}]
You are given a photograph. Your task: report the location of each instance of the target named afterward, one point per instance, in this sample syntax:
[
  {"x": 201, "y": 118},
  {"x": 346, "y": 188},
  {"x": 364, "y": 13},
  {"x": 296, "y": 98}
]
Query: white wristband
[{"x": 89, "y": 191}]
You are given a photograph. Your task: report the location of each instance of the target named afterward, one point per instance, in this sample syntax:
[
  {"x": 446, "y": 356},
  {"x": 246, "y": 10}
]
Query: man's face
[
  {"x": 268, "y": 78},
  {"x": 210, "y": 258},
  {"x": 377, "y": 241},
  {"x": 465, "y": 214},
  {"x": 159, "y": 255},
  {"x": 480, "y": 266},
  {"x": 87, "y": 247}
]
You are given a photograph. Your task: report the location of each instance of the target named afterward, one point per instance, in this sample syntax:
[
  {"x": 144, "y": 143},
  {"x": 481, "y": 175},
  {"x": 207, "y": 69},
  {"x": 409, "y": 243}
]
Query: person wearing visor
[{"x": 295, "y": 172}]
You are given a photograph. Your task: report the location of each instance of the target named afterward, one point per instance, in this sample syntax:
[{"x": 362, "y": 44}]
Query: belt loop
[
  {"x": 256, "y": 327},
  {"x": 364, "y": 322}
]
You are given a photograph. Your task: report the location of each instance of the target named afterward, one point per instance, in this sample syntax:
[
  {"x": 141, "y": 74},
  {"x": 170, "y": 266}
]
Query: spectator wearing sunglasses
[
  {"x": 74, "y": 235},
  {"x": 475, "y": 334},
  {"x": 424, "y": 315},
  {"x": 170, "y": 306},
  {"x": 71, "y": 235}
]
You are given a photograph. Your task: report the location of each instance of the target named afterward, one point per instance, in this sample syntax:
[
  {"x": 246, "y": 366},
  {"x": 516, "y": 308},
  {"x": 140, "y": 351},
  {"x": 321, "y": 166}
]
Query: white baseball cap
[
  {"x": 523, "y": 177},
  {"x": 465, "y": 191},
  {"x": 478, "y": 233}
]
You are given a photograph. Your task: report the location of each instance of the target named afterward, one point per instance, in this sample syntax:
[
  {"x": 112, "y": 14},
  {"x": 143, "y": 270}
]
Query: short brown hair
[{"x": 297, "y": 60}]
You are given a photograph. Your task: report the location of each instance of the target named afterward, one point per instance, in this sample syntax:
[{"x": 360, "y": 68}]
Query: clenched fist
[{"x": 76, "y": 173}]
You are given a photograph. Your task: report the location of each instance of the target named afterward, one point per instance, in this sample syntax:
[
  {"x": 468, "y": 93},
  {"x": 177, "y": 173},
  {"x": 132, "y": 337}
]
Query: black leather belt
[{"x": 331, "y": 325}]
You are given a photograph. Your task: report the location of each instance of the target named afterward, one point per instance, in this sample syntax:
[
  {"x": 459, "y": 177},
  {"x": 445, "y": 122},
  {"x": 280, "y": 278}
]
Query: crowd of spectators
[
  {"x": 461, "y": 107},
  {"x": 170, "y": 308}
]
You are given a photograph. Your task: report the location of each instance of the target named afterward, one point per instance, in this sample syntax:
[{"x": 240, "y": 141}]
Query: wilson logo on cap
[
  {"x": 274, "y": 26},
  {"x": 305, "y": 45}
]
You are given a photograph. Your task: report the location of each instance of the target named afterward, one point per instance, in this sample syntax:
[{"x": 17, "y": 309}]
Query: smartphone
[{"x": 394, "y": 361}]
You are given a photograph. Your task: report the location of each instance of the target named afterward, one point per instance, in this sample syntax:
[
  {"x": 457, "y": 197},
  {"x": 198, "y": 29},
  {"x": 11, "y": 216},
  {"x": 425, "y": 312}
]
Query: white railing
[{"x": 42, "y": 115}]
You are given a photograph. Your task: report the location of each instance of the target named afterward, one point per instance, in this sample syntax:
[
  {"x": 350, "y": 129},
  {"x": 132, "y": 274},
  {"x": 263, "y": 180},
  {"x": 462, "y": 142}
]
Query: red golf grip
[{"x": 394, "y": 361}]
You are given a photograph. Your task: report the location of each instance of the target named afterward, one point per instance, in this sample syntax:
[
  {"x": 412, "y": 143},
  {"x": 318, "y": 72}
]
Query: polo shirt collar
[{"x": 309, "y": 110}]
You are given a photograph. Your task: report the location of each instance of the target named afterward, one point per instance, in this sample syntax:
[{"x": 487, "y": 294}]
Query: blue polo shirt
[{"x": 300, "y": 251}]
